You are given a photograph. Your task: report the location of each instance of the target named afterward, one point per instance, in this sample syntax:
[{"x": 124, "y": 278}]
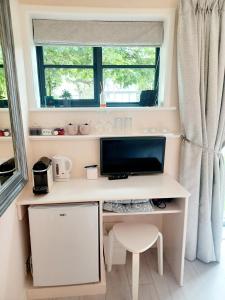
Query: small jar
[{"x": 84, "y": 129}]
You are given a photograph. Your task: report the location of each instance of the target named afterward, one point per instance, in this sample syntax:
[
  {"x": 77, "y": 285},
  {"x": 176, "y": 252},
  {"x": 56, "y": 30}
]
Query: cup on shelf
[
  {"x": 118, "y": 124},
  {"x": 72, "y": 129},
  {"x": 165, "y": 130},
  {"x": 84, "y": 129},
  {"x": 123, "y": 125},
  {"x": 128, "y": 124},
  {"x": 150, "y": 130},
  {"x": 108, "y": 127}
]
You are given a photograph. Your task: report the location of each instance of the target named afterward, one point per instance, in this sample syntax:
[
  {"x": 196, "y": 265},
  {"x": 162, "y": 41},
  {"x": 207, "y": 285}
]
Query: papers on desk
[{"x": 127, "y": 206}]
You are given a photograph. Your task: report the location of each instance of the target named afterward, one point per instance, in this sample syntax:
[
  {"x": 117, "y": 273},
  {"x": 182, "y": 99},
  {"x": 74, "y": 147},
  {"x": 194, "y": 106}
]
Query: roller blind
[{"x": 98, "y": 33}]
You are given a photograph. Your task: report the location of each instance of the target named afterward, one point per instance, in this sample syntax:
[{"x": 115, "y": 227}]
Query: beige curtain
[{"x": 201, "y": 80}]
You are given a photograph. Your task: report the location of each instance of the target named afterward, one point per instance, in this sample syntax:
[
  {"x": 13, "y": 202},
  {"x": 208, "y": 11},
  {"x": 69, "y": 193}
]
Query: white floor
[{"x": 202, "y": 281}]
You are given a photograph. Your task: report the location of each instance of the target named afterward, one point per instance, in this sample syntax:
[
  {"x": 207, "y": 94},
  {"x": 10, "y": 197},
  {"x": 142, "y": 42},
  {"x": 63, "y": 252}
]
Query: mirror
[
  {"x": 13, "y": 168},
  {"x": 7, "y": 159}
]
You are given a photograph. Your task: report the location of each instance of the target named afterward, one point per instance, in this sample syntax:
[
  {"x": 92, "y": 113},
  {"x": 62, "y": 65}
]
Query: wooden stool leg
[
  {"x": 110, "y": 251},
  {"x": 160, "y": 253},
  {"x": 135, "y": 276}
]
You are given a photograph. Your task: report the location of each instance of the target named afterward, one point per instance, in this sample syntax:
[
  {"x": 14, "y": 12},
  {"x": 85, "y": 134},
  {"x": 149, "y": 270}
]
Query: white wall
[
  {"x": 13, "y": 233},
  {"x": 104, "y": 3},
  {"x": 85, "y": 152}
]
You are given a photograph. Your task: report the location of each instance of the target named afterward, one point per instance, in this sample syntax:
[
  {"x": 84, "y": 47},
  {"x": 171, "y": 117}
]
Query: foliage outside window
[
  {"x": 3, "y": 91},
  {"x": 75, "y": 76}
]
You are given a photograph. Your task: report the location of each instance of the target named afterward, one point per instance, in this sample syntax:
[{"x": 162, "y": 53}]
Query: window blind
[{"x": 98, "y": 33}]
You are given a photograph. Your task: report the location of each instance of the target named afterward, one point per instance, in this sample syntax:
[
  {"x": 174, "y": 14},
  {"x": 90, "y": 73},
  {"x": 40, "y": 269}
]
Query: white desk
[{"x": 173, "y": 218}]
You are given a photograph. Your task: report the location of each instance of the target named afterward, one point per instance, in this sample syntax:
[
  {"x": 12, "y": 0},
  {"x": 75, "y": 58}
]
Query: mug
[
  {"x": 72, "y": 129},
  {"x": 84, "y": 129}
]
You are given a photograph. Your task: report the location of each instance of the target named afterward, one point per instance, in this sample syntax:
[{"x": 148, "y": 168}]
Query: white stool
[{"x": 136, "y": 238}]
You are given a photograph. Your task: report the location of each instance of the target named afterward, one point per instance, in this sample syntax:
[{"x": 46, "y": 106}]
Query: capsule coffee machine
[{"x": 42, "y": 176}]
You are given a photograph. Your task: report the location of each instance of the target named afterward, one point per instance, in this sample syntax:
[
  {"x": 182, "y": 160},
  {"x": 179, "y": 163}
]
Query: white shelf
[
  {"x": 96, "y": 136},
  {"x": 157, "y": 186},
  {"x": 171, "y": 208},
  {"x": 5, "y": 139},
  {"x": 100, "y": 109}
]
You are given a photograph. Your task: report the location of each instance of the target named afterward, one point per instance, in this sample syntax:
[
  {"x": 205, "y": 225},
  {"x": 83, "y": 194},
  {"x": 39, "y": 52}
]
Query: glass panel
[
  {"x": 125, "y": 85},
  {"x": 70, "y": 83},
  {"x": 128, "y": 55},
  {"x": 60, "y": 55},
  {"x": 3, "y": 92}
]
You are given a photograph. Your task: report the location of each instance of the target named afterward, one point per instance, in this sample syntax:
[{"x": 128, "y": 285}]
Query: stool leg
[
  {"x": 160, "y": 253},
  {"x": 110, "y": 250},
  {"x": 135, "y": 276}
]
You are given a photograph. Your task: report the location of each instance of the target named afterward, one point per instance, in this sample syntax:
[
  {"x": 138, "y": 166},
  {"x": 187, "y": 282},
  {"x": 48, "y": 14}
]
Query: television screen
[{"x": 132, "y": 155}]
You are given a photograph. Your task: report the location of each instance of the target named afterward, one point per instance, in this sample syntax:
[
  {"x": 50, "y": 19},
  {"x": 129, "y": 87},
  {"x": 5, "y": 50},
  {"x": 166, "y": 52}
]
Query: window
[
  {"x": 3, "y": 91},
  {"x": 75, "y": 76}
]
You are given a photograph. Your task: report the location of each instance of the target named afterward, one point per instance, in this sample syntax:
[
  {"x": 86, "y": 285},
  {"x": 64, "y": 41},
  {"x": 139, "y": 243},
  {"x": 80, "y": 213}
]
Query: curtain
[{"x": 201, "y": 83}]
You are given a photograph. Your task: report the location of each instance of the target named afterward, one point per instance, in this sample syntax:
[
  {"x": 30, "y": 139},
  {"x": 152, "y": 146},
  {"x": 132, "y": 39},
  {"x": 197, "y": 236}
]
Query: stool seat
[{"x": 136, "y": 237}]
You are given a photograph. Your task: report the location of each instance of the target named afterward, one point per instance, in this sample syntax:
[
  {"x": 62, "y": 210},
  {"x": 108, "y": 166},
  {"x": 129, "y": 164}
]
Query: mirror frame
[{"x": 15, "y": 184}]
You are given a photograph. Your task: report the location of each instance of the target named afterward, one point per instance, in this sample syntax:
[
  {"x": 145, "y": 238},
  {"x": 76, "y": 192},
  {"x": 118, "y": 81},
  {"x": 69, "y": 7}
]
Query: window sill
[{"x": 108, "y": 109}]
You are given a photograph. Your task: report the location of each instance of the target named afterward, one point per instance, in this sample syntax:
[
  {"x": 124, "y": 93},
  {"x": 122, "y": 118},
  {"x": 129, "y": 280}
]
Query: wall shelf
[
  {"x": 96, "y": 136},
  {"x": 5, "y": 139}
]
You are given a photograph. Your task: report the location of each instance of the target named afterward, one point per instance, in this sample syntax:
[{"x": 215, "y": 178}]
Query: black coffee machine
[{"x": 42, "y": 176}]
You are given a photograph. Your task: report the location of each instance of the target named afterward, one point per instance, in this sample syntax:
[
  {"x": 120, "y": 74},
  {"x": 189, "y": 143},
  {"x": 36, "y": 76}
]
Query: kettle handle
[{"x": 69, "y": 164}]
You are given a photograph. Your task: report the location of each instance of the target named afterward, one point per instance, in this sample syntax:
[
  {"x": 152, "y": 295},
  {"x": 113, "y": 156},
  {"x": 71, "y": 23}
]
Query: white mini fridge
[{"x": 64, "y": 244}]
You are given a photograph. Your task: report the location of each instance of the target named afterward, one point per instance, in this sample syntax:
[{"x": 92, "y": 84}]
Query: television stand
[{"x": 118, "y": 176}]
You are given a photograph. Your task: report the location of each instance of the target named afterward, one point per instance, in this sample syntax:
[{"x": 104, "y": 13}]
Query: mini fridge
[{"x": 64, "y": 244}]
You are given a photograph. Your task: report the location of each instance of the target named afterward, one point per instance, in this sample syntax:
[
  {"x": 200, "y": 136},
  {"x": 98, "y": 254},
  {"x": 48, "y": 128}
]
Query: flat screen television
[{"x": 132, "y": 155}]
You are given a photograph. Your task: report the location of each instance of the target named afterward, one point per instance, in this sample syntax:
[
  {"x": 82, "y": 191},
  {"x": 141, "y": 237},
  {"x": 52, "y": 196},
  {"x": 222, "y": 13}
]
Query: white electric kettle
[{"x": 62, "y": 167}]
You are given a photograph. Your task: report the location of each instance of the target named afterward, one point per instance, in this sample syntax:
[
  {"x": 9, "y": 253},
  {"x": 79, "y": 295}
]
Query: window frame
[{"x": 98, "y": 68}]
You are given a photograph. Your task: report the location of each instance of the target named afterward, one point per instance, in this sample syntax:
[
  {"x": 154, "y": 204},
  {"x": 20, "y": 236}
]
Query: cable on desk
[{"x": 160, "y": 203}]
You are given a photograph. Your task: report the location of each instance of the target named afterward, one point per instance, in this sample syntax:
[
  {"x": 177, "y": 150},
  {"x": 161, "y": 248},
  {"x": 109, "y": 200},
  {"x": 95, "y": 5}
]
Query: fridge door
[{"x": 64, "y": 244}]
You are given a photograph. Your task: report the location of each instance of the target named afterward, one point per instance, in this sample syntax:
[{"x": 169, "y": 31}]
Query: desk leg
[{"x": 174, "y": 236}]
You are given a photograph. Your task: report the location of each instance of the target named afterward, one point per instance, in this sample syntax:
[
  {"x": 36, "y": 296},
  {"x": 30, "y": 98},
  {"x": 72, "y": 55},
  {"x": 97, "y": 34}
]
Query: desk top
[{"x": 102, "y": 189}]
